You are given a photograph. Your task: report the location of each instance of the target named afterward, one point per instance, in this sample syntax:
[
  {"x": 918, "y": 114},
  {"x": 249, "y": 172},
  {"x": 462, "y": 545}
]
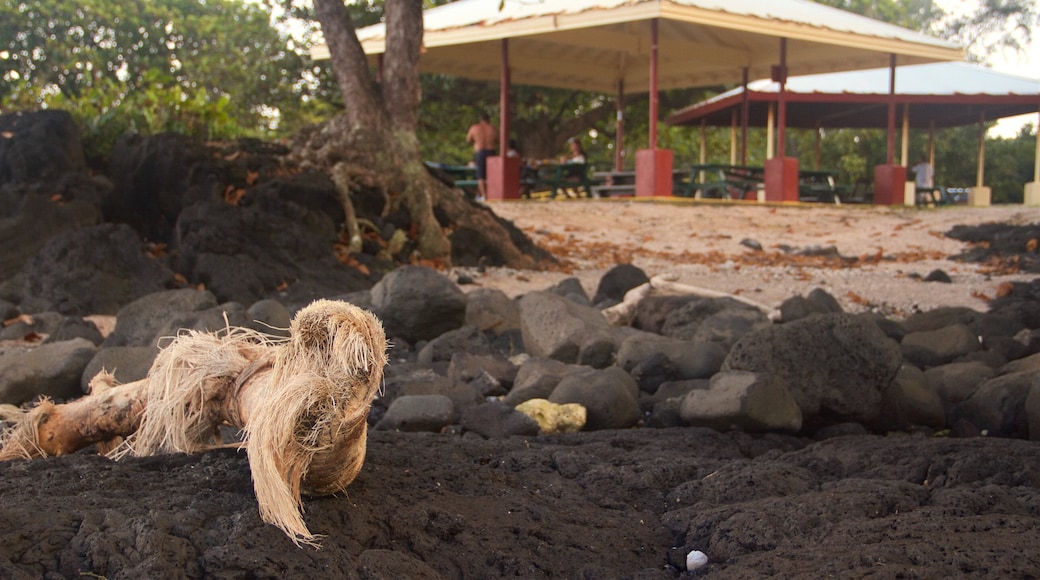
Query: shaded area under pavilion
[
  {"x": 619, "y": 46},
  {"x": 927, "y": 96}
]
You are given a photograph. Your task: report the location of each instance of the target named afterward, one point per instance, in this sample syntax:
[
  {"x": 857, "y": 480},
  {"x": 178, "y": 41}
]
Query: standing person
[
  {"x": 924, "y": 175},
  {"x": 483, "y": 136}
]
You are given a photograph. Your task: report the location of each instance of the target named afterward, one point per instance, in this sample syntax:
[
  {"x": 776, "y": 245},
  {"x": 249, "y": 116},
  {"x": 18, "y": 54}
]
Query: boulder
[
  {"x": 155, "y": 177},
  {"x": 610, "y": 397},
  {"x": 941, "y": 318},
  {"x": 72, "y": 327},
  {"x": 558, "y": 328},
  {"x": 162, "y": 314},
  {"x": 466, "y": 339},
  {"x": 817, "y": 302},
  {"x": 92, "y": 270},
  {"x": 690, "y": 360},
  {"x": 929, "y": 348},
  {"x": 29, "y": 222},
  {"x": 616, "y": 282},
  {"x": 492, "y": 311},
  {"x": 269, "y": 317},
  {"x": 998, "y": 406},
  {"x": 955, "y": 382},
  {"x": 496, "y": 420},
  {"x": 726, "y": 327},
  {"x": 835, "y": 365},
  {"x": 571, "y": 289},
  {"x": 245, "y": 254},
  {"x": 652, "y": 311},
  {"x": 536, "y": 378},
  {"x": 909, "y": 401},
  {"x": 684, "y": 322},
  {"x": 126, "y": 363},
  {"x": 742, "y": 400},
  {"x": 486, "y": 371},
  {"x": 39, "y": 146},
  {"x": 51, "y": 370},
  {"x": 418, "y": 413},
  {"x": 418, "y": 303}
]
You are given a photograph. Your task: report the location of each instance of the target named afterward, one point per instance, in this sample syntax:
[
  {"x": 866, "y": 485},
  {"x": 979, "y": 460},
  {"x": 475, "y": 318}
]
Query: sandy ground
[{"x": 873, "y": 258}]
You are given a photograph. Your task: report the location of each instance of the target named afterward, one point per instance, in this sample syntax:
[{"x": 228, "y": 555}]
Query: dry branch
[{"x": 302, "y": 402}]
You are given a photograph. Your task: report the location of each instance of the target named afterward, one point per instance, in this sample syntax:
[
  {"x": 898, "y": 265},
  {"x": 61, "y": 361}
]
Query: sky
[{"x": 1026, "y": 64}]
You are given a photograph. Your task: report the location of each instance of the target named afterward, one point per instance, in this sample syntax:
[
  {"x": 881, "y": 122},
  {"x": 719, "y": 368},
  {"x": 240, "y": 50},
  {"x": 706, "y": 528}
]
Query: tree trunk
[{"x": 379, "y": 135}]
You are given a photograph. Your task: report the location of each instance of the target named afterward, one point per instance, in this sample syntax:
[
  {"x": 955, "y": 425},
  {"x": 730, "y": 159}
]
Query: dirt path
[{"x": 869, "y": 258}]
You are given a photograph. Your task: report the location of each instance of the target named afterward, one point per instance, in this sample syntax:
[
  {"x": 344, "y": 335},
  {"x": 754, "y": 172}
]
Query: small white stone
[{"x": 695, "y": 560}]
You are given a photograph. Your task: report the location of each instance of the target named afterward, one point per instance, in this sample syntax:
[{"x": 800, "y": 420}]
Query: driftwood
[
  {"x": 302, "y": 403},
  {"x": 621, "y": 314}
]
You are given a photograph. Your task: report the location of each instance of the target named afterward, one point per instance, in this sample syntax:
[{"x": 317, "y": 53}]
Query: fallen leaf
[
  {"x": 1005, "y": 289},
  {"x": 251, "y": 177}
]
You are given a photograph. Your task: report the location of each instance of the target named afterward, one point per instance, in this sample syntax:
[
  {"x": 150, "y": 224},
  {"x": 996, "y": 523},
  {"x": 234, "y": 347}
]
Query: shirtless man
[{"x": 483, "y": 136}]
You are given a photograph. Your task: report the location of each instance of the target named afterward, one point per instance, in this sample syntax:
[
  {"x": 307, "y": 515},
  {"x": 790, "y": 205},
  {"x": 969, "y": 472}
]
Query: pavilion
[
  {"x": 927, "y": 96},
  {"x": 648, "y": 45}
]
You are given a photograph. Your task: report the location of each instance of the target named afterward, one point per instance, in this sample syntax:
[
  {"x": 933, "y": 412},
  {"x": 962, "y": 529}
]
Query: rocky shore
[{"x": 528, "y": 434}]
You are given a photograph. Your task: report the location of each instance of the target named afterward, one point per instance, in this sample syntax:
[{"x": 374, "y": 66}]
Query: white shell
[{"x": 695, "y": 559}]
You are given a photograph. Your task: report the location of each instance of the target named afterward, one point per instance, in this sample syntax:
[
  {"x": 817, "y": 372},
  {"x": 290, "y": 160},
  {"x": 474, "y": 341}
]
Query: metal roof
[
  {"x": 946, "y": 94},
  {"x": 594, "y": 44}
]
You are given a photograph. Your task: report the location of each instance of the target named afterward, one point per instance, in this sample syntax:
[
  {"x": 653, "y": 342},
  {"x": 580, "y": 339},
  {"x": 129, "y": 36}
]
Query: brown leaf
[{"x": 251, "y": 177}]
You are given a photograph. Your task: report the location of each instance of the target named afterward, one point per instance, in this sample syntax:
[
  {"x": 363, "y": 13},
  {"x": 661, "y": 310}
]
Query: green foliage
[{"x": 214, "y": 68}]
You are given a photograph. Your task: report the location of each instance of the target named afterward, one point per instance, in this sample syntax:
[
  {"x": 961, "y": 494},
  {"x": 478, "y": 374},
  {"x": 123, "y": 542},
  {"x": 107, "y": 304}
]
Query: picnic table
[
  {"x": 464, "y": 177},
  {"x": 614, "y": 183},
  {"x": 716, "y": 180},
  {"x": 566, "y": 178},
  {"x": 724, "y": 181}
]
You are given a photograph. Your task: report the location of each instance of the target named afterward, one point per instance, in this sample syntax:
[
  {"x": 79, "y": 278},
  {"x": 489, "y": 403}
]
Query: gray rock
[
  {"x": 941, "y": 318},
  {"x": 34, "y": 222},
  {"x": 610, "y": 397},
  {"x": 418, "y": 413},
  {"x": 269, "y": 317},
  {"x": 466, "y": 339},
  {"x": 684, "y": 322},
  {"x": 490, "y": 368},
  {"x": 817, "y": 302},
  {"x": 492, "y": 311},
  {"x": 728, "y": 326},
  {"x": 616, "y": 282},
  {"x": 909, "y": 401},
  {"x": 497, "y": 420},
  {"x": 998, "y": 406},
  {"x": 51, "y": 370},
  {"x": 92, "y": 270},
  {"x": 571, "y": 289},
  {"x": 1030, "y": 363},
  {"x": 40, "y": 323},
  {"x": 558, "y": 328},
  {"x": 418, "y": 303},
  {"x": 142, "y": 321},
  {"x": 536, "y": 378},
  {"x": 72, "y": 327},
  {"x": 423, "y": 381},
  {"x": 691, "y": 360},
  {"x": 652, "y": 311},
  {"x": 835, "y": 365},
  {"x": 742, "y": 400},
  {"x": 1033, "y": 413},
  {"x": 126, "y": 363},
  {"x": 955, "y": 382},
  {"x": 929, "y": 348}
]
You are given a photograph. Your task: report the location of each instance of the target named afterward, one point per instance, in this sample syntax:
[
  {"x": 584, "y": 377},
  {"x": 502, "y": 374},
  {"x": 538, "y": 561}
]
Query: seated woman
[{"x": 576, "y": 155}]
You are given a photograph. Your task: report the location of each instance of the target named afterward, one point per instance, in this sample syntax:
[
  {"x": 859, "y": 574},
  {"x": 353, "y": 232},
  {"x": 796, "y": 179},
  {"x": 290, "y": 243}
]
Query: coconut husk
[{"x": 302, "y": 403}]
